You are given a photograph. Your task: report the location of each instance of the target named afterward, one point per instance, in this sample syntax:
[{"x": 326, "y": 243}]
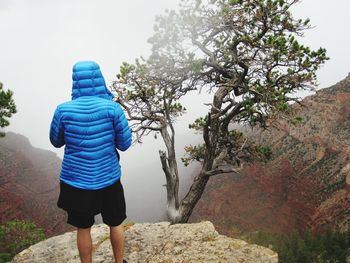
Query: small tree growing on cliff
[
  {"x": 245, "y": 53},
  {"x": 7, "y": 107}
]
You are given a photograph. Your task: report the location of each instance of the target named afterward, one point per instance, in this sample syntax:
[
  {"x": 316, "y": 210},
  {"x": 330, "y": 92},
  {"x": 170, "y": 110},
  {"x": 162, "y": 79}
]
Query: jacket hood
[{"x": 88, "y": 81}]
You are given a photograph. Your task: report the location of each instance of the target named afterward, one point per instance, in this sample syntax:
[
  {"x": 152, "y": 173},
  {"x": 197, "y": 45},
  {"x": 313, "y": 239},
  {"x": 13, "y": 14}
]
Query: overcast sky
[{"x": 42, "y": 39}]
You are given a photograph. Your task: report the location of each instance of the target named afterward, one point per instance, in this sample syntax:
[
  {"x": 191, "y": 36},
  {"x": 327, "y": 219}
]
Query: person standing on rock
[{"x": 92, "y": 127}]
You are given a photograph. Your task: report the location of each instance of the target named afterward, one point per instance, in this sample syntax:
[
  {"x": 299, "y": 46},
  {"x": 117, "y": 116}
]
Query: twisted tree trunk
[{"x": 180, "y": 212}]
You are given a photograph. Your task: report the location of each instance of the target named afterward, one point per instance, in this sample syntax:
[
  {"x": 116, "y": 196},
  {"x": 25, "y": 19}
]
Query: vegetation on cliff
[
  {"x": 327, "y": 247},
  {"x": 17, "y": 235},
  {"x": 7, "y": 107}
]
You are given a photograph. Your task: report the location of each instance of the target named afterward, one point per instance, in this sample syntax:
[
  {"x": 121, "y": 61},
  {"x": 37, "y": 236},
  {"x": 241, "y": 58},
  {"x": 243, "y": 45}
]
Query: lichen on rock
[{"x": 153, "y": 242}]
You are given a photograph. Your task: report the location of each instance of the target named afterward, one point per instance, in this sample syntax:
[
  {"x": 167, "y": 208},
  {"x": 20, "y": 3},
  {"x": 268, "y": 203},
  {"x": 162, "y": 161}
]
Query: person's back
[{"x": 91, "y": 126}]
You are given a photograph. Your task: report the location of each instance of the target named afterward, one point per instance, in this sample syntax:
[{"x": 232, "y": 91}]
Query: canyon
[
  {"x": 306, "y": 183},
  {"x": 29, "y": 184},
  {"x": 304, "y": 186}
]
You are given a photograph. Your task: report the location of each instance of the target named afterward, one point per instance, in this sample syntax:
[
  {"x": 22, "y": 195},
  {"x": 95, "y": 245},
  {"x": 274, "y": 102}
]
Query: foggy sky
[{"x": 42, "y": 39}]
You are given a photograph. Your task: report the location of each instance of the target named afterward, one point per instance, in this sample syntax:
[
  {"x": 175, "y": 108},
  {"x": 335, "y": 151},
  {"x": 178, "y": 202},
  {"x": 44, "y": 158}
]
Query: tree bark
[
  {"x": 169, "y": 166},
  {"x": 192, "y": 197},
  {"x": 180, "y": 213}
]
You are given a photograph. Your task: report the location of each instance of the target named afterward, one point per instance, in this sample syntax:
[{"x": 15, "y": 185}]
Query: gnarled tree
[{"x": 245, "y": 53}]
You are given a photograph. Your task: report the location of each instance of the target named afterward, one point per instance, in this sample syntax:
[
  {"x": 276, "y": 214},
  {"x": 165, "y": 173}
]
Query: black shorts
[{"x": 82, "y": 205}]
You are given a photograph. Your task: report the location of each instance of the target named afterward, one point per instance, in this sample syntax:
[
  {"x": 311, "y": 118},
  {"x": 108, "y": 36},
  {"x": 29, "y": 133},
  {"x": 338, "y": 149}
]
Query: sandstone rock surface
[{"x": 158, "y": 242}]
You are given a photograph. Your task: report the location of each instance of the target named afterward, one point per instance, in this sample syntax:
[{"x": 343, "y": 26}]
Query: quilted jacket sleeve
[
  {"x": 122, "y": 129},
  {"x": 56, "y": 130}
]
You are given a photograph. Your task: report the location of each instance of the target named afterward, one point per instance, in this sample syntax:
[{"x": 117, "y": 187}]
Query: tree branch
[{"x": 222, "y": 171}]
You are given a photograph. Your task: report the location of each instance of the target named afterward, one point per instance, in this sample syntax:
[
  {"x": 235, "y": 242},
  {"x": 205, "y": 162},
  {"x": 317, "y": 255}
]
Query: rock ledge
[{"x": 157, "y": 242}]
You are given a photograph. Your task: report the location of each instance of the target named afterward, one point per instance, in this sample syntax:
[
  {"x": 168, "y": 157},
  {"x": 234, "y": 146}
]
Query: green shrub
[
  {"x": 17, "y": 235},
  {"x": 329, "y": 247}
]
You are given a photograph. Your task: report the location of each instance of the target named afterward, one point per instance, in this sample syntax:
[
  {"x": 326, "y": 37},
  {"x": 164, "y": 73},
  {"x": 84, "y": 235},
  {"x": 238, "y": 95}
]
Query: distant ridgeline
[
  {"x": 306, "y": 184},
  {"x": 29, "y": 184}
]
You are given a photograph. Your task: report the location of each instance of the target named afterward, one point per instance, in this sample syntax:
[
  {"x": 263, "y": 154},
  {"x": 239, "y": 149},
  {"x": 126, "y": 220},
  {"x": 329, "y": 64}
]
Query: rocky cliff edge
[{"x": 158, "y": 242}]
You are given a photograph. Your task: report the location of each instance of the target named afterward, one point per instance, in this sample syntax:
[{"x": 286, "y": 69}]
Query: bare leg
[
  {"x": 84, "y": 243},
  {"x": 117, "y": 241}
]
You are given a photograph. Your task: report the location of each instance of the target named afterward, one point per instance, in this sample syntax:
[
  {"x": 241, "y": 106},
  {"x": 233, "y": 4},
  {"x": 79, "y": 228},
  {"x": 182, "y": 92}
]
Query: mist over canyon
[
  {"x": 29, "y": 183},
  {"x": 304, "y": 186}
]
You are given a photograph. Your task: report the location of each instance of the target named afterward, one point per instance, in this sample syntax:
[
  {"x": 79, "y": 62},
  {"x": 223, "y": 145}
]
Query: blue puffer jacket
[{"x": 91, "y": 126}]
